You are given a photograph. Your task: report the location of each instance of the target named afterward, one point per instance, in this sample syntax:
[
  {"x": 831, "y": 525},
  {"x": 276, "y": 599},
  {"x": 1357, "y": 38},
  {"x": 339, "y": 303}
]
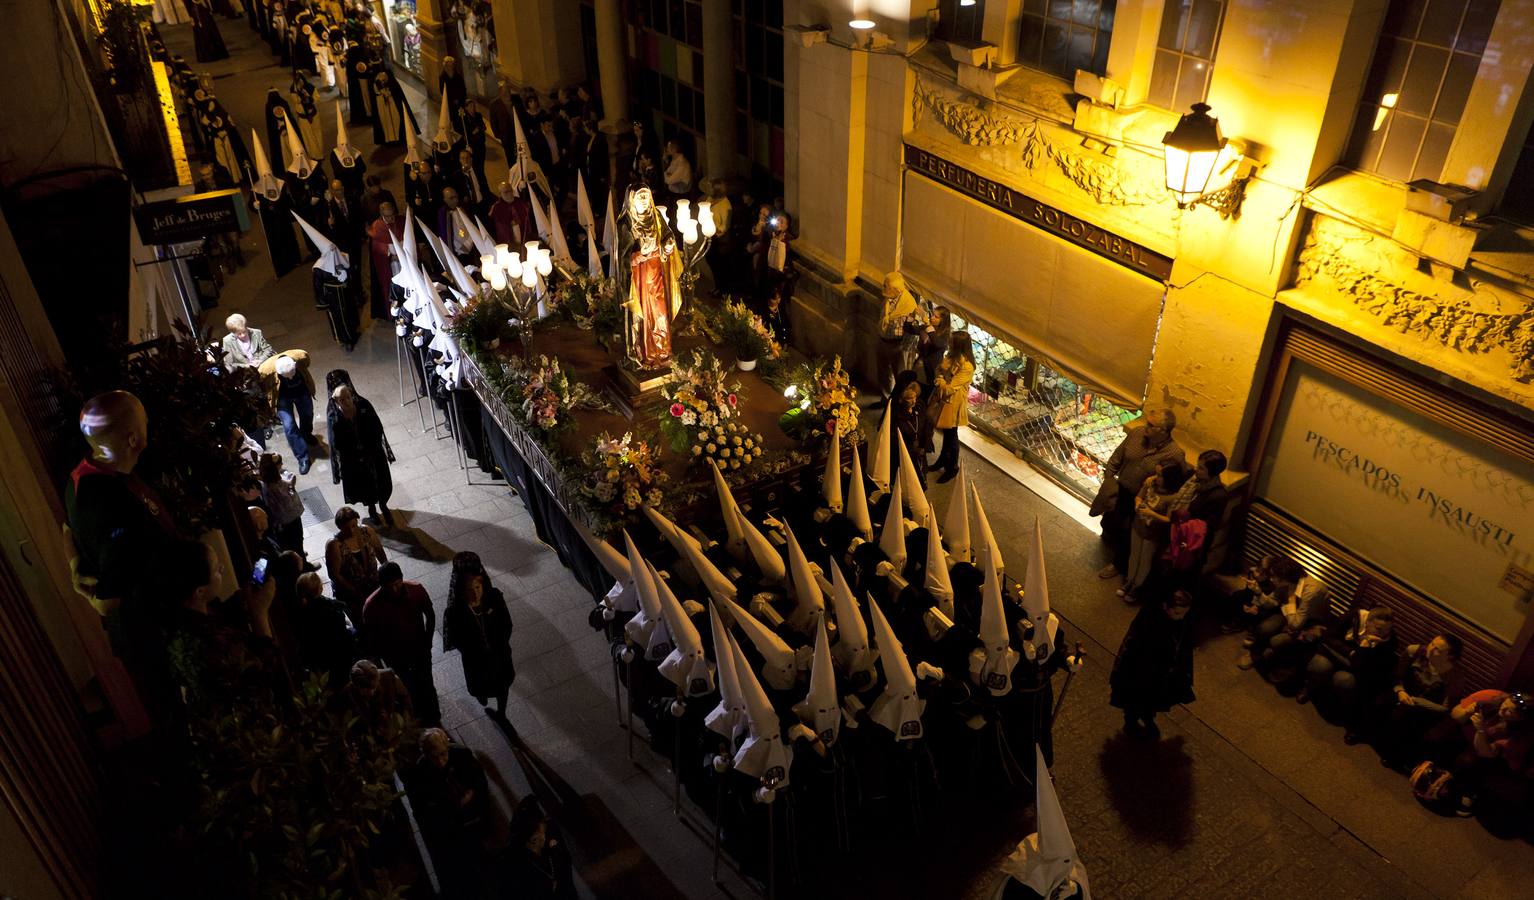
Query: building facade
[{"x": 1348, "y": 313}]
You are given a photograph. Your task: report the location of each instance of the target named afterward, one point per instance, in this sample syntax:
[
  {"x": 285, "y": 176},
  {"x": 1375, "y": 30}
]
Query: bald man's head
[{"x": 117, "y": 429}]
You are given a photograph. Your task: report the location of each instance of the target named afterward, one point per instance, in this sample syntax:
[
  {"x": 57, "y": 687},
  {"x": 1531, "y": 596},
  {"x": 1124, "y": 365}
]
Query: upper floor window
[
  {"x": 1423, "y": 68},
  {"x": 958, "y": 20},
  {"x": 1190, "y": 32},
  {"x": 1061, "y": 36}
]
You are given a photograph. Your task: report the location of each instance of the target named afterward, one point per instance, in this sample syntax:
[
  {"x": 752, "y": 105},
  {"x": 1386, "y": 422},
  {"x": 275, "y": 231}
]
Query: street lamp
[{"x": 1194, "y": 152}]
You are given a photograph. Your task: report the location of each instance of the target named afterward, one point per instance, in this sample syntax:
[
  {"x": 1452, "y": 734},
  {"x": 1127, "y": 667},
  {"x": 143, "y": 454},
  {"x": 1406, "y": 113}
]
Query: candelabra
[
  {"x": 697, "y": 234},
  {"x": 516, "y": 280}
]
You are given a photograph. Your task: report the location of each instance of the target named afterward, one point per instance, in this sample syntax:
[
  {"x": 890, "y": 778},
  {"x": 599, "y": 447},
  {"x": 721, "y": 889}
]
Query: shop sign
[
  {"x": 1062, "y": 224},
  {"x": 192, "y": 217}
]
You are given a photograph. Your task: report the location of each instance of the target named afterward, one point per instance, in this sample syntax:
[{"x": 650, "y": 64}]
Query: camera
[{"x": 774, "y": 221}]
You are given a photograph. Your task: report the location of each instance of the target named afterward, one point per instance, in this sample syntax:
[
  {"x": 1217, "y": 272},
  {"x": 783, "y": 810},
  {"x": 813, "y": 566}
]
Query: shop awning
[{"x": 1088, "y": 317}]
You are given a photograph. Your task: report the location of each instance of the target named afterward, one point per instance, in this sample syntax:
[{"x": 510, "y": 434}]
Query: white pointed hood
[
  {"x": 763, "y": 754},
  {"x": 540, "y": 220},
  {"x": 831, "y": 481},
  {"x": 686, "y": 666},
  {"x": 820, "y": 709},
  {"x": 559, "y": 248},
  {"x": 1046, "y": 860},
  {"x": 345, "y": 152},
  {"x": 331, "y": 260},
  {"x": 768, "y": 561},
  {"x": 407, "y": 240},
  {"x": 729, "y": 510},
  {"x": 583, "y": 214},
  {"x": 910, "y": 485},
  {"x": 435, "y": 244},
  {"x": 715, "y": 581},
  {"x": 446, "y": 137},
  {"x": 482, "y": 243},
  {"x": 809, "y": 604},
  {"x": 991, "y": 664},
  {"x": 610, "y": 238},
  {"x": 898, "y": 708},
  {"x": 267, "y": 184},
  {"x": 956, "y": 520},
  {"x": 593, "y": 256},
  {"x": 852, "y": 652},
  {"x": 301, "y": 165},
  {"x": 892, "y": 537},
  {"x": 778, "y": 663},
  {"x": 729, "y": 717},
  {"x": 937, "y": 583},
  {"x": 857, "y": 499},
  {"x": 412, "y": 142},
  {"x": 675, "y": 536},
  {"x": 879, "y": 456},
  {"x": 639, "y": 629},
  {"x": 430, "y": 308},
  {"x": 1036, "y": 594},
  {"x": 622, "y": 596},
  {"x": 981, "y": 536},
  {"x": 407, "y": 274},
  {"x": 524, "y": 150}
]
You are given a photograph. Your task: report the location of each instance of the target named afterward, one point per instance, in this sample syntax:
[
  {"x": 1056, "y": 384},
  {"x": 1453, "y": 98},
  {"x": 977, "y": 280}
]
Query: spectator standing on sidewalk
[
  {"x": 291, "y": 390},
  {"x": 478, "y": 625},
  {"x": 1133, "y": 461},
  {"x": 397, "y": 625}
]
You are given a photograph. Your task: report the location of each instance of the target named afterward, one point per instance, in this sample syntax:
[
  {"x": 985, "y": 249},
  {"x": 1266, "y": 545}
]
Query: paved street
[{"x": 1247, "y": 795}]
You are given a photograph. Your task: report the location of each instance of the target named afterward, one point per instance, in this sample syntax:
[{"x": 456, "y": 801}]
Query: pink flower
[
  {"x": 676, "y": 410},
  {"x": 732, "y": 399},
  {"x": 830, "y": 426}
]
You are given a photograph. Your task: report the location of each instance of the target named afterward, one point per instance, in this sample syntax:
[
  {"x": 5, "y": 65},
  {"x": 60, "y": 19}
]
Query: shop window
[
  {"x": 1190, "y": 33},
  {"x": 1061, "y": 36},
  {"x": 958, "y": 22},
  {"x": 1423, "y": 68},
  {"x": 1059, "y": 426},
  {"x": 1518, "y": 200}
]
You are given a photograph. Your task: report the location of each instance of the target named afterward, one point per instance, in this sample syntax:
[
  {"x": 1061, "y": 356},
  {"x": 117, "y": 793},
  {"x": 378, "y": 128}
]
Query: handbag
[{"x": 1107, "y": 496}]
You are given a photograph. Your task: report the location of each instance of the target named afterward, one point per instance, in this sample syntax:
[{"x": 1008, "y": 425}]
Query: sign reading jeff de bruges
[
  {"x": 192, "y": 217},
  {"x": 1041, "y": 215}
]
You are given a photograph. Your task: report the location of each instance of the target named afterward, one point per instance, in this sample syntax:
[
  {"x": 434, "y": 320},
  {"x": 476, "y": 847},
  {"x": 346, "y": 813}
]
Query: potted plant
[{"x": 744, "y": 332}]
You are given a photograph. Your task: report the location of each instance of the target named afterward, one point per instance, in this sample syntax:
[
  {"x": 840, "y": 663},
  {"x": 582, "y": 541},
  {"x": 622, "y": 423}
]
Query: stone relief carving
[
  {"x": 1331, "y": 252},
  {"x": 1106, "y": 182}
]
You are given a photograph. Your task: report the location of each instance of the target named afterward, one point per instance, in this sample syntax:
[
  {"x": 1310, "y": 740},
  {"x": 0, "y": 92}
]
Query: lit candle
[
  {"x": 545, "y": 262},
  {"x": 690, "y": 232},
  {"x": 497, "y": 278},
  {"x": 683, "y": 213},
  {"x": 513, "y": 265},
  {"x": 706, "y": 219}
]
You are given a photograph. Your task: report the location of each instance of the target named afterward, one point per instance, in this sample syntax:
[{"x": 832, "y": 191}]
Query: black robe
[
  {"x": 359, "y": 455},
  {"x": 277, "y": 224},
  {"x": 359, "y": 85},
  {"x": 231, "y": 161},
  {"x": 303, "y": 54},
  {"x": 342, "y": 303},
  {"x": 350, "y": 176},
  {"x": 483, "y": 641},
  {"x": 207, "y": 41},
  {"x": 1154, "y": 669},
  {"x": 306, "y": 196},
  {"x": 274, "y": 128},
  {"x": 386, "y": 90}
]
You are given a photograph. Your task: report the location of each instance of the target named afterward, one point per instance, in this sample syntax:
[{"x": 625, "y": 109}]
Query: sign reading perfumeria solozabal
[
  {"x": 1062, "y": 224},
  {"x": 1440, "y": 511}
]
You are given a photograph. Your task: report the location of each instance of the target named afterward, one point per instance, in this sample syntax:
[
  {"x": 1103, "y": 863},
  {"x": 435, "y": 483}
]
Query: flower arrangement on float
[
  {"x": 589, "y": 302},
  {"x": 549, "y": 392},
  {"x": 824, "y": 402},
  {"x": 700, "y": 413},
  {"x": 624, "y": 474}
]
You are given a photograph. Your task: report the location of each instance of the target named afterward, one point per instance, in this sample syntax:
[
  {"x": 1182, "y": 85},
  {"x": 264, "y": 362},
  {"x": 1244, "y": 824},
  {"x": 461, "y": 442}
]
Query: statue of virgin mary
[{"x": 655, "y": 293}]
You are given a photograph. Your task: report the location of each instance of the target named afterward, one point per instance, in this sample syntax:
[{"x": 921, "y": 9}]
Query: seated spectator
[
  {"x": 1354, "y": 664},
  {"x": 535, "y": 865},
  {"x": 1428, "y": 684},
  {"x": 1285, "y": 639},
  {"x": 326, "y": 638},
  {"x": 1254, "y": 600},
  {"x": 451, "y": 798},
  {"x": 266, "y": 546},
  {"x": 1487, "y": 735}
]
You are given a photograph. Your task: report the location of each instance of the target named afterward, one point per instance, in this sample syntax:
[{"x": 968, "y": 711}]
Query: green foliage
[
  {"x": 482, "y": 323},
  {"x": 191, "y": 411},
  {"x": 290, "y": 797},
  {"x": 591, "y": 304},
  {"x": 743, "y": 331}
]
